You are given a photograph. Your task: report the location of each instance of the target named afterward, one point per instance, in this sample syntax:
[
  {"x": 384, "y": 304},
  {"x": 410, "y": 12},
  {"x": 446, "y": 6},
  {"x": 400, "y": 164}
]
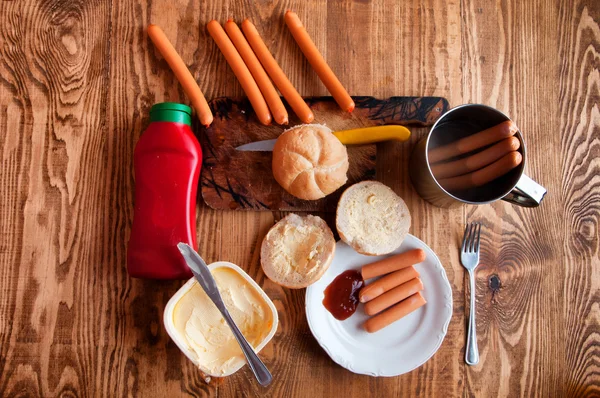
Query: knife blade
[
  {"x": 364, "y": 135},
  {"x": 208, "y": 283},
  {"x": 258, "y": 146},
  {"x": 200, "y": 271}
]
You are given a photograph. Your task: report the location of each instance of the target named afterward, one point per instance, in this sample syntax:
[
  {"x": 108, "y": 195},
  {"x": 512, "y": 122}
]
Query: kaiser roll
[{"x": 309, "y": 162}]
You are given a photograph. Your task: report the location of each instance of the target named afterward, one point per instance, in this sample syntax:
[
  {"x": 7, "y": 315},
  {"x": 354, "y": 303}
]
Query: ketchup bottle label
[{"x": 167, "y": 162}]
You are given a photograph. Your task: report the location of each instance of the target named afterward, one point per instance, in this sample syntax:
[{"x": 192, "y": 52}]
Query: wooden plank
[
  {"x": 53, "y": 97},
  {"x": 578, "y": 118},
  {"x": 77, "y": 82},
  {"x": 428, "y": 35},
  {"x": 536, "y": 286},
  {"x": 242, "y": 180},
  {"x": 144, "y": 360},
  {"x": 511, "y": 299}
]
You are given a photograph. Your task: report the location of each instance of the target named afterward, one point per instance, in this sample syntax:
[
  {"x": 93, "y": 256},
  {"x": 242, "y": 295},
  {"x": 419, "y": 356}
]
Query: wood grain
[
  {"x": 534, "y": 275},
  {"x": 77, "y": 80},
  {"x": 579, "y": 110}
]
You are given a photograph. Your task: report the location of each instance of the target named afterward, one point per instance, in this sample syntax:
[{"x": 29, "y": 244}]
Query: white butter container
[{"x": 181, "y": 341}]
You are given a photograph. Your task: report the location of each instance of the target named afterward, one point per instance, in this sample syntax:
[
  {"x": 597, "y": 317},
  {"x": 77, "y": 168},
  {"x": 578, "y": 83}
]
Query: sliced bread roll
[
  {"x": 297, "y": 251},
  {"x": 372, "y": 218}
]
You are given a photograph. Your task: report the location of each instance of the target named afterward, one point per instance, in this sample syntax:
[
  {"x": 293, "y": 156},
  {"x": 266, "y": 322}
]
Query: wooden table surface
[{"x": 77, "y": 81}]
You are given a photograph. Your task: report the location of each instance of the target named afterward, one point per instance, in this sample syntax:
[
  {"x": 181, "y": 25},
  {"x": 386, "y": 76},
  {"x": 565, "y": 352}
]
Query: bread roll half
[
  {"x": 372, "y": 218},
  {"x": 309, "y": 161},
  {"x": 297, "y": 251}
]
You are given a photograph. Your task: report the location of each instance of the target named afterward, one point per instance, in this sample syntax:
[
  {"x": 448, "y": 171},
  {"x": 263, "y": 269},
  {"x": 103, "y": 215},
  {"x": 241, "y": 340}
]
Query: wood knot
[
  {"x": 587, "y": 229},
  {"x": 70, "y": 43},
  {"x": 494, "y": 283}
]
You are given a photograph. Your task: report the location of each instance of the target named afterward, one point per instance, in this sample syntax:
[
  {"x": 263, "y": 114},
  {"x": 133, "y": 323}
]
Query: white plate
[{"x": 402, "y": 346}]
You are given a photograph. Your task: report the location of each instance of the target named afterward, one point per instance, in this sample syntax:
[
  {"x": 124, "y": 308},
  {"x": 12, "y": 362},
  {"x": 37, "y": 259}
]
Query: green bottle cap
[{"x": 171, "y": 112}]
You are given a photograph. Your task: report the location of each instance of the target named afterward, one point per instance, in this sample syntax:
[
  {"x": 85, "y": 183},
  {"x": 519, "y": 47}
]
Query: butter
[
  {"x": 299, "y": 247},
  {"x": 204, "y": 330}
]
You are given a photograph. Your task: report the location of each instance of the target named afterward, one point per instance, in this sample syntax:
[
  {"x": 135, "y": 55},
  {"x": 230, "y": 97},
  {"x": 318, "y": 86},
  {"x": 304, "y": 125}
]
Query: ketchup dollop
[{"x": 341, "y": 296}]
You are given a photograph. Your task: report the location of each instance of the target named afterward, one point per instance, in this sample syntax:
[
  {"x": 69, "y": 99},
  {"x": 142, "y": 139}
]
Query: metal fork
[{"x": 469, "y": 257}]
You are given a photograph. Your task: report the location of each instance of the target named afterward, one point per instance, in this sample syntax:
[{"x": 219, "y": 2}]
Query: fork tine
[
  {"x": 472, "y": 237},
  {"x": 468, "y": 247},
  {"x": 478, "y": 237},
  {"x": 464, "y": 243}
]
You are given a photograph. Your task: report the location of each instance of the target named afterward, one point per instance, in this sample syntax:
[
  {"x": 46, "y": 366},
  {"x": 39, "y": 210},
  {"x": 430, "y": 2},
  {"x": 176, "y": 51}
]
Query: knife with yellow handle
[{"x": 364, "y": 135}]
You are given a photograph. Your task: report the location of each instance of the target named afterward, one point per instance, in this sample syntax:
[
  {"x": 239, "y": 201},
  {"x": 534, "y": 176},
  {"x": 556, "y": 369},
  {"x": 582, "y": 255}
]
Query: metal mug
[{"x": 459, "y": 122}]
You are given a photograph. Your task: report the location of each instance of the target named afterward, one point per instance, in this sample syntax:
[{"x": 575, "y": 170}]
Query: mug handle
[{"x": 526, "y": 193}]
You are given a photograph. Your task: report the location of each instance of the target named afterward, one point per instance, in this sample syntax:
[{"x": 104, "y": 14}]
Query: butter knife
[{"x": 206, "y": 280}]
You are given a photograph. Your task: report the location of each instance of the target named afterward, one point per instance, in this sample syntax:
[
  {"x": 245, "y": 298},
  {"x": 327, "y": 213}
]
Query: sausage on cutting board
[
  {"x": 241, "y": 71},
  {"x": 276, "y": 74},
  {"x": 258, "y": 72}
]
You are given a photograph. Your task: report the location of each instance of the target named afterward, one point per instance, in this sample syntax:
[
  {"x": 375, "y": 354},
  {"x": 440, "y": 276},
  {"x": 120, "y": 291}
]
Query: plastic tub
[{"x": 181, "y": 341}]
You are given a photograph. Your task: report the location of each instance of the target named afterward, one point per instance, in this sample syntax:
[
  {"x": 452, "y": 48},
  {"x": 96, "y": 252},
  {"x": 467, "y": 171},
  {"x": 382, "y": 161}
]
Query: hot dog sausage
[
  {"x": 394, "y": 263},
  {"x": 260, "y": 76},
  {"x": 182, "y": 74},
  {"x": 475, "y": 141},
  {"x": 394, "y": 296},
  {"x": 477, "y": 160},
  {"x": 276, "y": 74},
  {"x": 317, "y": 62},
  {"x": 485, "y": 175},
  {"x": 386, "y": 283},
  {"x": 393, "y": 314},
  {"x": 241, "y": 71}
]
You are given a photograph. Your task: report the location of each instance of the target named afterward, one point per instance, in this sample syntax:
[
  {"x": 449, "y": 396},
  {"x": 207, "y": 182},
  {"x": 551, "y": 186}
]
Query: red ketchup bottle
[{"x": 167, "y": 161}]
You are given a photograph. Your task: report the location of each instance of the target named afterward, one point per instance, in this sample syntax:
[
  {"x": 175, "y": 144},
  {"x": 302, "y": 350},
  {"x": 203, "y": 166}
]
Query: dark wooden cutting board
[{"x": 239, "y": 180}]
